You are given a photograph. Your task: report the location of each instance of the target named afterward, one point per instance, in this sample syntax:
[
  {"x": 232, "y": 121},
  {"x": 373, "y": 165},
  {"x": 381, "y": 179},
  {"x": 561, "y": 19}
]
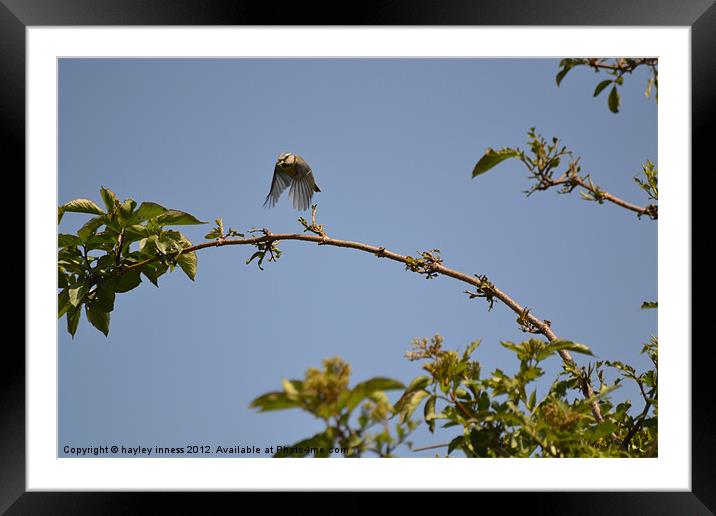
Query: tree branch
[
  {"x": 621, "y": 64},
  {"x": 539, "y": 325},
  {"x": 640, "y": 420},
  {"x": 544, "y": 162},
  {"x": 651, "y": 211}
]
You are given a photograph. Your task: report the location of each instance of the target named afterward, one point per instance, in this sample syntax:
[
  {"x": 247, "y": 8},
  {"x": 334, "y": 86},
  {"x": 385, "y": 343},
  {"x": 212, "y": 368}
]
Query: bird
[{"x": 292, "y": 170}]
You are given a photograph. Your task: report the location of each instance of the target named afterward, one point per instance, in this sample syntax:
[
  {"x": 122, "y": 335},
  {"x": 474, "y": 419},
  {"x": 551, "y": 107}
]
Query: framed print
[{"x": 244, "y": 209}]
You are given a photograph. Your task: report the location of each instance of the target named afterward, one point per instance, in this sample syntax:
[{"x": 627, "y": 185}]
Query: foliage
[
  {"x": 425, "y": 263},
  {"x": 108, "y": 255},
  {"x": 265, "y": 248},
  {"x": 112, "y": 251},
  {"x": 356, "y": 419},
  {"x": 616, "y": 69},
  {"x": 502, "y": 415},
  {"x": 486, "y": 290},
  {"x": 543, "y": 161},
  {"x": 220, "y": 234},
  {"x": 649, "y": 183},
  {"x": 499, "y": 415}
]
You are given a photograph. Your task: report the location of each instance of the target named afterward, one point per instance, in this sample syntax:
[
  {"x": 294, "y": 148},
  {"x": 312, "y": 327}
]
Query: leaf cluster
[
  {"x": 356, "y": 419},
  {"x": 107, "y": 255},
  {"x": 502, "y": 415},
  {"x": 543, "y": 161},
  {"x": 485, "y": 289},
  {"x": 616, "y": 69},
  {"x": 220, "y": 234},
  {"x": 425, "y": 263},
  {"x": 648, "y": 181}
]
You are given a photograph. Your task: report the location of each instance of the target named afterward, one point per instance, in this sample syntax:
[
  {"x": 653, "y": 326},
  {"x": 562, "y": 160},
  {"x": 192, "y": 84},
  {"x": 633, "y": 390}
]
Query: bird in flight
[{"x": 292, "y": 170}]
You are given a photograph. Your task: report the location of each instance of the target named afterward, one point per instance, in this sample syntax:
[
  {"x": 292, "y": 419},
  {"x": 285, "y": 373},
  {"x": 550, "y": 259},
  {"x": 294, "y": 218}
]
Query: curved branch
[{"x": 381, "y": 252}]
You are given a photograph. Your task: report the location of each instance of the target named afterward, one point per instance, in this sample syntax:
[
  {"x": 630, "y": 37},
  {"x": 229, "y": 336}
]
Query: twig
[
  {"x": 431, "y": 447},
  {"x": 650, "y": 210},
  {"x": 621, "y": 65},
  {"x": 572, "y": 180}
]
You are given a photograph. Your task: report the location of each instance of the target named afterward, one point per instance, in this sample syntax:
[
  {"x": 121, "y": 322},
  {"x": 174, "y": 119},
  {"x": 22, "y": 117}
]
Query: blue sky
[{"x": 392, "y": 143}]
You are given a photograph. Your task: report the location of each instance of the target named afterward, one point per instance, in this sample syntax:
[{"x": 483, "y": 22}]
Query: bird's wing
[
  {"x": 279, "y": 183},
  {"x": 302, "y": 187}
]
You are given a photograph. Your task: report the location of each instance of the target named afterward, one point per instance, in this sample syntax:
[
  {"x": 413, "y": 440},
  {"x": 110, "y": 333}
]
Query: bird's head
[{"x": 286, "y": 159}]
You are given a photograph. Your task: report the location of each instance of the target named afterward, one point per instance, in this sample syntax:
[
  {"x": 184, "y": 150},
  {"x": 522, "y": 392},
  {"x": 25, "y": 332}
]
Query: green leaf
[
  {"x": 127, "y": 281},
  {"x": 290, "y": 388},
  {"x": 160, "y": 243},
  {"x": 151, "y": 274},
  {"x": 62, "y": 278},
  {"x": 98, "y": 318},
  {"x": 77, "y": 294},
  {"x": 600, "y": 87},
  {"x": 64, "y": 240},
  {"x": 517, "y": 348},
  {"x": 108, "y": 197},
  {"x": 148, "y": 210},
  {"x": 532, "y": 400},
  {"x": 616, "y": 364},
  {"x": 530, "y": 373},
  {"x": 302, "y": 448},
  {"x": 70, "y": 260},
  {"x": 105, "y": 263},
  {"x": 214, "y": 233},
  {"x": 561, "y": 75},
  {"x": 456, "y": 443},
  {"x": 90, "y": 228},
  {"x": 273, "y": 401},
  {"x": 364, "y": 389},
  {"x": 646, "y": 305},
  {"x": 470, "y": 349},
  {"x": 104, "y": 298},
  {"x": 418, "y": 383},
  {"x": 409, "y": 403},
  {"x": 493, "y": 158},
  {"x": 188, "y": 263},
  {"x": 603, "y": 429},
  {"x": 429, "y": 413},
  {"x": 614, "y": 100},
  {"x": 63, "y": 303},
  {"x": 484, "y": 402},
  {"x": 559, "y": 387},
  {"x": 126, "y": 212},
  {"x": 558, "y": 344},
  {"x": 73, "y": 319},
  {"x": 135, "y": 232},
  {"x": 177, "y": 218},
  {"x": 104, "y": 240},
  {"x": 80, "y": 206},
  {"x": 258, "y": 254}
]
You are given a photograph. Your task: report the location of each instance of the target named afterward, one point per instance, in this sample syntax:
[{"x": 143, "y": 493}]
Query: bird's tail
[{"x": 315, "y": 188}]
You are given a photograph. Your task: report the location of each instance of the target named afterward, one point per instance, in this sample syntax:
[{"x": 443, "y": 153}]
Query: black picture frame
[{"x": 17, "y": 15}]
